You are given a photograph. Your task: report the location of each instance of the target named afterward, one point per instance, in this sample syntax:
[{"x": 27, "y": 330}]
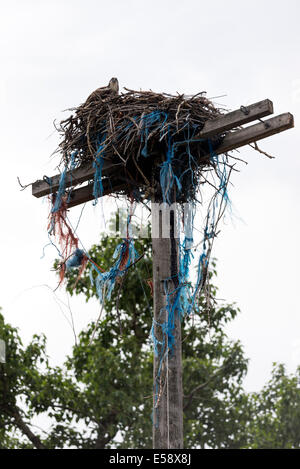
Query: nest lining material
[{"x": 152, "y": 135}]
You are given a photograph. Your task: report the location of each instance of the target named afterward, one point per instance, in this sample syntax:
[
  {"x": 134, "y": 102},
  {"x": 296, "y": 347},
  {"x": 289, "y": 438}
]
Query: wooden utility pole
[
  {"x": 167, "y": 379},
  {"x": 167, "y": 370}
]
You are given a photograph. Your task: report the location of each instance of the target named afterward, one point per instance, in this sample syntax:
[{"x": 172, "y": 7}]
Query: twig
[
  {"x": 22, "y": 186},
  {"x": 256, "y": 147}
]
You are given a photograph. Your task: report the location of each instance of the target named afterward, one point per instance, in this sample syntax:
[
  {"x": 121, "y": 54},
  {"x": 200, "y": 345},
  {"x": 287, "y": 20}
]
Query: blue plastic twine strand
[
  {"x": 62, "y": 183},
  {"x": 98, "y": 165},
  {"x": 105, "y": 281}
]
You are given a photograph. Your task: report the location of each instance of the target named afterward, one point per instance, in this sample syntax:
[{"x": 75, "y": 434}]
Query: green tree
[
  {"x": 275, "y": 412},
  {"x": 21, "y": 369}
]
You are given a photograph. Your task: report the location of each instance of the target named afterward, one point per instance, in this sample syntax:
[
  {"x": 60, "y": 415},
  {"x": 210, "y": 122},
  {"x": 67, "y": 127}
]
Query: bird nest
[{"x": 152, "y": 137}]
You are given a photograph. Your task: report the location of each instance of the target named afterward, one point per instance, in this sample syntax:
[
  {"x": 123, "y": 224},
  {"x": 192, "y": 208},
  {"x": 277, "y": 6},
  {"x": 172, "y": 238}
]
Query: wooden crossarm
[
  {"x": 256, "y": 132},
  {"x": 234, "y": 119},
  {"x": 78, "y": 176},
  {"x": 85, "y": 193}
]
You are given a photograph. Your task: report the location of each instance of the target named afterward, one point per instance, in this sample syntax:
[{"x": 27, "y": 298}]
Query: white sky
[{"x": 54, "y": 53}]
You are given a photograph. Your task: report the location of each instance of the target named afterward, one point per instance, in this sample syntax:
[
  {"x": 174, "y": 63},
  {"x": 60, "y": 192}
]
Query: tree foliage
[
  {"x": 102, "y": 396},
  {"x": 275, "y": 421}
]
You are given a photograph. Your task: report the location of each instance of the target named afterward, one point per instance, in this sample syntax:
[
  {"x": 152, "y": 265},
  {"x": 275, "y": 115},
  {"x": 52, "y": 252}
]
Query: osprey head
[{"x": 114, "y": 85}]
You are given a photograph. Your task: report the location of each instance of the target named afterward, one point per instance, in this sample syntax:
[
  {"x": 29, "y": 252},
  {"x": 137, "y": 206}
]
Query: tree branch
[
  {"x": 102, "y": 440},
  {"x": 35, "y": 440},
  {"x": 189, "y": 397}
]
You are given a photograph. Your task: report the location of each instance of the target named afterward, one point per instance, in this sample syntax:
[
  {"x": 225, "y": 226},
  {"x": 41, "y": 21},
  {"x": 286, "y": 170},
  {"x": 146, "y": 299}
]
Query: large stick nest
[{"x": 141, "y": 130}]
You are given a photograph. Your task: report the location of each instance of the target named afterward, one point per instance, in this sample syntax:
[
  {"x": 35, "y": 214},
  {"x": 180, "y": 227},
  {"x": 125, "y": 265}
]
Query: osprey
[
  {"x": 114, "y": 85},
  {"x": 104, "y": 92}
]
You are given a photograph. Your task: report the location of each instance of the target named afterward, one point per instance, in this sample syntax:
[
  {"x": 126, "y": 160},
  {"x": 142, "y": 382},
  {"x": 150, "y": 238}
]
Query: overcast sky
[{"x": 54, "y": 53}]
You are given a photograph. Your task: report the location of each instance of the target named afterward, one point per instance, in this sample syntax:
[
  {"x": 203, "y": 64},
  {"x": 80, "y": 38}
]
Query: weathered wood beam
[
  {"x": 85, "y": 194},
  {"x": 219, "y": 125},
  {"x": 78, "y": 176},
  {"x": 256, "y": 132},
  {"x": 234, "y": 119},
  {"x": 167, "y": 364}
]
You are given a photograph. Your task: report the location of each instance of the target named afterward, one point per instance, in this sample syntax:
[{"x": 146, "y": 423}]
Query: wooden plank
[
  {"x": 256, "y": 132},
  {"x": 85, "y": 194},
  {"x": 234, "y": 119},
  {"x": 78, "y": 176}
]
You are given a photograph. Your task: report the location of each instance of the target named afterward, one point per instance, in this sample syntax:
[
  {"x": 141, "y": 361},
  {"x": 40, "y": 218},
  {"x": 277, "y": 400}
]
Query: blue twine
[
  {"x": 105, "y": 281},
  {"x": 62, "y": 183},
  {"x": 147, "y": 122},
  {"x": 76, "y": 259},
  {"x": 61, "y": 191},
  {"x": 98, "y": 165},
  {"x": 167, "y": 176}
]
